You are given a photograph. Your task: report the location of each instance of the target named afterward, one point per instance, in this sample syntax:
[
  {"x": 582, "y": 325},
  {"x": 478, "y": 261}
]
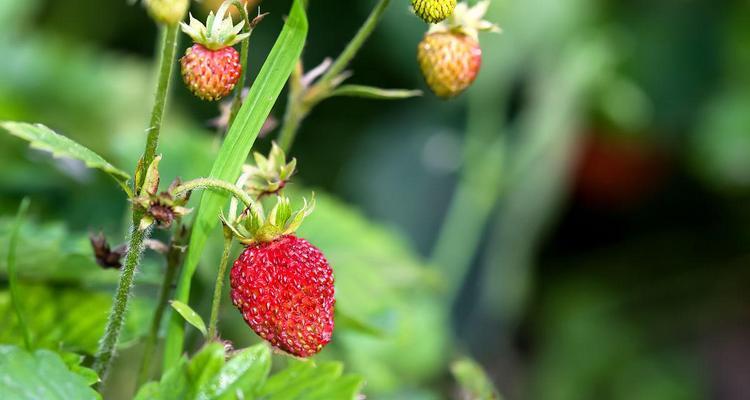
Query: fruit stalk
[
  {"x": 119, "y": 307},
  {"x": 300, "y": 103},
  {"x": 166, "y": 67},
  {"x": 219, "y": 287},
  {"x": 244, "y": 50},
  {"x": 217, "y": 184}
]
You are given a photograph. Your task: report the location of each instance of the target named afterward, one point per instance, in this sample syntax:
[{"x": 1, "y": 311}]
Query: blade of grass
[
  {"x": 15, "y": 295},
  {"x": 233, "y": 153}
]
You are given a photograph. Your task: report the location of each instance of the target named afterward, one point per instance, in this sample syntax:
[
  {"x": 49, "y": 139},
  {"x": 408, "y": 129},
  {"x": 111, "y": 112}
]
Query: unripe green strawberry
[
  {"x": 449, "y": 55},
  {"x": 211, "y": 67},
  {"x": 433, "y": 11},
  {"x": 449, "y": 62},
  {"x": 167, "y": 12},
  {"x": 210, "y": 74},
  {"x": 284, "y": 290}
]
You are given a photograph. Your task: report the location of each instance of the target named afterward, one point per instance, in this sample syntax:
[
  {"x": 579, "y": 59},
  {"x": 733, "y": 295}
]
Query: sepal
[{"x": 269, "y": 175}]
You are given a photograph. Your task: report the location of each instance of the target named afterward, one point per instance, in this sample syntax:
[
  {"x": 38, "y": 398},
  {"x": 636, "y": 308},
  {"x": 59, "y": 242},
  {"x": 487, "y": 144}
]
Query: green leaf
[
  {"x": 246, "y": 371},
  {"x": 474, "y": 382},
  {"x": 73, "y": 362},
  {"x": 72, "y": 319},
  {"x": 203, "y": 368},
  {"x": 305, "y": 380},
  {"x": 41, "y": 375},
  {"x": 190, "y": 315},
  {"x": 369, "y": 92},
  {"x": 234, "y": 152},
  {"x": 42, "y": 138}
]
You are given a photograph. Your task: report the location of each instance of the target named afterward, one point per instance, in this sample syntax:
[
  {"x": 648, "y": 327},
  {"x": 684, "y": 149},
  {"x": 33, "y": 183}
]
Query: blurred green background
[{"x": 578, "y": 221}]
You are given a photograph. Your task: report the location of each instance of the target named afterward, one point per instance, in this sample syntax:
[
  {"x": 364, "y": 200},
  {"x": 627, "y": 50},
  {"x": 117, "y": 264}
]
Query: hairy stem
[
  {"x": 166, "y": 67},
  {"x": 174, "y": 258},
  {"x": 215, "y": 305},
  {"x": 217, "y": 184},
  {"x": 119, "y": 306},
  {"x": 15, "y": 295},
  {"x": 244, "y": 50}
]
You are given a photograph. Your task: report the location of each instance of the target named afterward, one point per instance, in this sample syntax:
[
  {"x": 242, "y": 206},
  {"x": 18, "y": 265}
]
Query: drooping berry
[
  {"x": 449, "y": 62},
  {"x": 449, "y": 55},
  {"x": 211, "y": 67},
  {"x": 284, "y": 290},
  {"x": 433, "y": 11},
  {"x": 210, "y": 74}
]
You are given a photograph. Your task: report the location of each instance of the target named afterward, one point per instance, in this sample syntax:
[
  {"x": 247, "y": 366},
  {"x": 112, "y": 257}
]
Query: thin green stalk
[
  {"x": 217, "y": 184},
  {"x": 301, "y": 100},
  {"x": 215, "y": 305},
  {"x": 119, "y": 306},
  {"x": 355, "y": 44},
  {"x": 15, "y": 295},
  {"x": 174, "y": 257},
  {"x": 166, "y": 67},
  {"x": 244, "y": 50}
]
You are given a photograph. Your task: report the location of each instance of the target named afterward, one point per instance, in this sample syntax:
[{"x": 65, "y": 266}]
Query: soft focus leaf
[
  {"x": 234, "y": 152},
  {"x": 475, "y": 385},
  {"x": 41, "y": 375},
  {"x": 246, "y": 371},
  {"x": 190, "y": 316},
  {"x": 42, "y": 138}
]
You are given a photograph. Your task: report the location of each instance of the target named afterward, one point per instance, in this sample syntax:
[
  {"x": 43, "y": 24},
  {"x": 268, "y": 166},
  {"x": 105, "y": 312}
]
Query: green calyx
[
  {"x": 255, "y": 226},
  {"x": 218, "y": 32},
  {"x": 270, "y": 174},
  {"x": 159, "y": 208},
  {"x": 468, "y": 20}
]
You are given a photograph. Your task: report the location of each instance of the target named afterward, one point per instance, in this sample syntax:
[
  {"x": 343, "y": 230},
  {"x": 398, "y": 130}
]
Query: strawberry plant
[{"x": 297, "y": 297}]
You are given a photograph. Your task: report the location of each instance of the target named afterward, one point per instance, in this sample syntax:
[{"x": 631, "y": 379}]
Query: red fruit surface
[
  {"x": 284, "y": 290},
  {"x": 210, "y": 74}
]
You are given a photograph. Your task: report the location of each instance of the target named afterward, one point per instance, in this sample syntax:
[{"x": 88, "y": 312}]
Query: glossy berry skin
[
  {"x": 449, "y": 61},
  {"x": 210, "y": 74},
  {"x": 433, "y": 11},
  {"x": 284, "y": 290}
]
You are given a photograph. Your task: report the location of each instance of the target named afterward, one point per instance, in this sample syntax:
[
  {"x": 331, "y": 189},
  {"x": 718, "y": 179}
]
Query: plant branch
[
  {"x": 215, "y": 305},
  {"x": 15, "y": 295},
  {"x": 166, "y": 67},
  {"x": 216, "y": 184}
]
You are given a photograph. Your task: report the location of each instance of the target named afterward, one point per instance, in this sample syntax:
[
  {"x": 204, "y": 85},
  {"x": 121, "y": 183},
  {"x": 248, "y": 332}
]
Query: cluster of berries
[{"x": 449, "y": 55}]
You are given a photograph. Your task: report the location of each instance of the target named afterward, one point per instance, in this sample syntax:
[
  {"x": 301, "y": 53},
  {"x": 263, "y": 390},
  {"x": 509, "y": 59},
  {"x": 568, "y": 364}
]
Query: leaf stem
[
  {"x": 216, "y": 184},
  {"x": 119, "y": 306},
  {"x": 166, "y": 67},
  {"x": 15, "y": 295},
  {"x": 174, "y": 257},
  {"x": 302, "y": 99},
  {"x": 215, "y": 305}
]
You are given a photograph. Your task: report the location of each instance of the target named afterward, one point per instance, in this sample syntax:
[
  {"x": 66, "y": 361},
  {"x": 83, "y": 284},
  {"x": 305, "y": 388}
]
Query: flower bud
[{"x": 168, "y": 12}]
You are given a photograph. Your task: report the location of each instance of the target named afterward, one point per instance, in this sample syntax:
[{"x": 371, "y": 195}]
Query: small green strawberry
[
  {"x": 449, "y": 55},
  {"x": 211, "y": 67},
  {"x": 167, "y": 12},
  {"x": 433, "y": 11}
]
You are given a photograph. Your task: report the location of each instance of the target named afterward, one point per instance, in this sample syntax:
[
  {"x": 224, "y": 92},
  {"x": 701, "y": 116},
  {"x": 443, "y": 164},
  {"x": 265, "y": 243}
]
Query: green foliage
[
  {"x": 474, "y": 382},
  {"x": 234, "y": 152},
  {"x": 209, "y": 375},
  {"x": 69, "y": 318},
  {"x": 190, "y": 315},
  {"x": 42, "y": 138},
  {"x": 41, "y": 375}
]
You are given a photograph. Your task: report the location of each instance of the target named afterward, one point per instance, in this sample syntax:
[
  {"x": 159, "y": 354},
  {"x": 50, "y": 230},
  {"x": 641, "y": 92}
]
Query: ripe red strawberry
[
  {"x": 449, "y": 62},
  {"x": 449, "y": 55},
  {"x": 433, "y": 11},
  {"x": 211, "y": 67},
  {"x": 211, "y": 74},
  {"x": 284, "y": 290}
]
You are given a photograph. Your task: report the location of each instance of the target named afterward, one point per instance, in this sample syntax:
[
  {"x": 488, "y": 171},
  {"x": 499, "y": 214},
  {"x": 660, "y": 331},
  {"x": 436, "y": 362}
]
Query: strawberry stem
[
  {"x": 218, "y": 288},
  {"x": 138, "y": 236},
  {"x": 216, "y": 184},
  {"x": 244, "y": 50},
  {"x": 15, "y": 295}
]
